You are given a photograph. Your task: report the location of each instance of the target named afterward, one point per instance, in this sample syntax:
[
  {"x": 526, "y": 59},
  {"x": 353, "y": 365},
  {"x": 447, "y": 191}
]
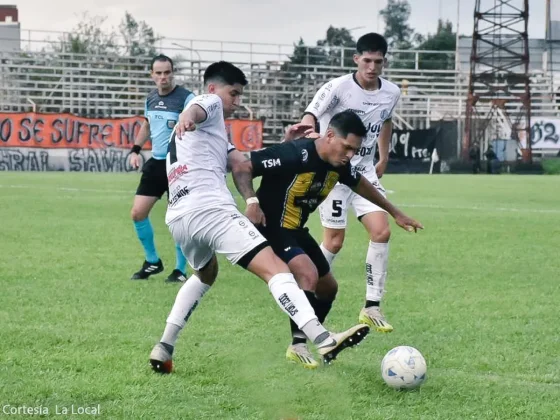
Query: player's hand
[
  {"x": 380, "y": 168},
  {"x": 135, "y": 160},
  {"x": 255, "y": 214},
  {"x": 407, "y": 223},
  {"x": 298, "y": 131},
  {"x": 185, "y": 124}
]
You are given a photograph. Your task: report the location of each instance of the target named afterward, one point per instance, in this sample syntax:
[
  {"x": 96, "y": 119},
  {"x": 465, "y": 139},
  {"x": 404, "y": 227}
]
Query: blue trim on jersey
[{"x": 163, "y": 113}]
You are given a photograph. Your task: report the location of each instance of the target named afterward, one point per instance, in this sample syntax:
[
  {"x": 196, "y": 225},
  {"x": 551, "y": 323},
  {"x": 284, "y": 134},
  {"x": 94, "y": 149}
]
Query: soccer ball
[{"x": 403, "y": 367}]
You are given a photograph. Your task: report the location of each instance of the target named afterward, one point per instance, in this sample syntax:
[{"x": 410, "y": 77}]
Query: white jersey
[
  {"x": 373, "y": 106},
  {"x": 197, "y": 163}
]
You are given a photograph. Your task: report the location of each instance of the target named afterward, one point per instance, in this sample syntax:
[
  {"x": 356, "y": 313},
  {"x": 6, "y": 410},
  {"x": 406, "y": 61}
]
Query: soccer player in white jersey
[
  {"x": 373, "y": 99},
  {"x": 203, "y": 218}
]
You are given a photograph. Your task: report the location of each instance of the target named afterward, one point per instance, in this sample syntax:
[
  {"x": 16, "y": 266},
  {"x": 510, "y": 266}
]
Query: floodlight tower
[{"x": 499, "y": 86}]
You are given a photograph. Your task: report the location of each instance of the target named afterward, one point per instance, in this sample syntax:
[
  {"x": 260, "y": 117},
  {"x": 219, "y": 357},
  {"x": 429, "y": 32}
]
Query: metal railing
[{"x": 115, "y": 86}]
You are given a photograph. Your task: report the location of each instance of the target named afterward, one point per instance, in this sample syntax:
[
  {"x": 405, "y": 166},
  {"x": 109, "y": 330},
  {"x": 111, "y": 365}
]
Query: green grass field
[{"x": 477, "y": 292}]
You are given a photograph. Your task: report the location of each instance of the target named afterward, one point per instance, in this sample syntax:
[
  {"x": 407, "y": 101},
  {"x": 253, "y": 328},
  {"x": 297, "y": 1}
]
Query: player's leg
[
  {"x": 241, "y": 242},
  {"x": 312, "y": 273},
  {"x": 141, "y": 208},
  {"x": 306, "y": 276},
  {"x": 147, "y": 194},
  {"x": 161, "y": 187},
  {"x": 178, "y": 274},
  {"x": 333, "y": 212},
  {"x": 205, "y": 264},
  {"x": 376, "y": 222}
]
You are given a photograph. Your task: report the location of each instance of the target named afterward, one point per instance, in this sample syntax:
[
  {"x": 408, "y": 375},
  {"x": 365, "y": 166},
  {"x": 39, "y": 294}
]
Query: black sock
[
  {"x": 298, "y": 337},
  {"x": 370, "y": 303},
  {"x": 168, "y": 347},
  {"x": 323, "y": 309}
]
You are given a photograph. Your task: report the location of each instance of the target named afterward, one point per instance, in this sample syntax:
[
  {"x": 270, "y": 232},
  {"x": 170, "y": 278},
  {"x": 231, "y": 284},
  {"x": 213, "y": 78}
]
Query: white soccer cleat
[
  {"x": 161, "y": 359},
  {"x": 336, "y": 342}
]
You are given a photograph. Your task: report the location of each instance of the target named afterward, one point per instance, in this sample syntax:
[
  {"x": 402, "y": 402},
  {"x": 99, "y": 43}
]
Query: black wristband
[{"x": 136, "y": 149}]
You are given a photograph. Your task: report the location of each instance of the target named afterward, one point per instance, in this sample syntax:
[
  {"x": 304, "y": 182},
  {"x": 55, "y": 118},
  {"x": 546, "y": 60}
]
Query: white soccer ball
[{"x": 403, "y": 367}]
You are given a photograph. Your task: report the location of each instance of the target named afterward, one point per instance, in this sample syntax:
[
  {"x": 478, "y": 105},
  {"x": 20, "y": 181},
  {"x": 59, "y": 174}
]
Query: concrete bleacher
[{"x": 278, "y": 91}]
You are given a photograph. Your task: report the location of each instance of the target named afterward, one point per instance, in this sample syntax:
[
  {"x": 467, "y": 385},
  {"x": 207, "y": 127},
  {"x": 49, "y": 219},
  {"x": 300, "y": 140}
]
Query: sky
[{"x": 278, "y": 22}]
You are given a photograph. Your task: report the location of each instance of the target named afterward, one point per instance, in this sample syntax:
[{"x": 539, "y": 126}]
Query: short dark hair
[
  {"x": 372, "y": 42},
  {"x": 224, "y": 72},
  {"x": 163, "y": 58},
  {"x": 348, "y": 122}
]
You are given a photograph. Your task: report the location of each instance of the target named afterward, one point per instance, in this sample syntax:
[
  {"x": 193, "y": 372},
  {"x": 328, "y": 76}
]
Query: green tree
[
  {"x": 443, "y": 40},
  {"x": 139, "y": 37},
  {"x": 338, "y": 47},
  {"x": 88, "y": 37},
  {"x": 397, "y": 30}
]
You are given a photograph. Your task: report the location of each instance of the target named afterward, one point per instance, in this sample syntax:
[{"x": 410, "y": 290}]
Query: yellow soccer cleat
[
  {"x": 299, "y": 353},
  {"x": 373, "y": 317}
]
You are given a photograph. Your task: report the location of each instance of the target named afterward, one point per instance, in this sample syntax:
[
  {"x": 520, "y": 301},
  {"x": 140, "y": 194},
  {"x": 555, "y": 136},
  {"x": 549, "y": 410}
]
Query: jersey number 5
[{"x": 337, "y": 208}]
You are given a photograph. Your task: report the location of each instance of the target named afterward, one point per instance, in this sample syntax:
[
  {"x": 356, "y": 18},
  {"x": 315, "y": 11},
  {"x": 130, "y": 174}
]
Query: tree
[
  {"x": 443, "y": 40},
  {"x": 304, "y": 55},
  {"x": 397, "y": 30},
  {"x": 336, "y": 45},
  {"x": 139, "y": 38},
  {"x": 134, "y": 38},
  {"x": 88, "y": 37}
]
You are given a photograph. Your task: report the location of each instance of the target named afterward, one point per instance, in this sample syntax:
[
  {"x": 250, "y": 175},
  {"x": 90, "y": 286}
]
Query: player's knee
[
  {"x": 209, "y": 273},
  {"x": 327, "y": 288},
  {"x": 335, "y": 241},
  {"x": 137, "y": 214},
  {"x": 307, "y": 279},
  {"x": 381, "y": 234}
]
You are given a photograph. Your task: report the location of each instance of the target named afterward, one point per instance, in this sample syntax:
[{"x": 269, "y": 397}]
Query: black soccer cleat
[
  {"x": 147, "y": 270},
  {"x": 176, "y": 276}
]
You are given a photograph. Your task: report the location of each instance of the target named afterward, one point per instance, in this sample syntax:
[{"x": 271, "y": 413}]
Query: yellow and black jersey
[{"x": 295, "y": 180}]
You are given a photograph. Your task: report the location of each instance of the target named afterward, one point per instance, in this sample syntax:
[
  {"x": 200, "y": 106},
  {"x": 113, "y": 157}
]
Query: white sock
[
  {"x": 185, "y": 303},
  {"x": 328, "y": 254},
  {"x": 376, "y": 270},
  {"x": 293, "y": 302}
]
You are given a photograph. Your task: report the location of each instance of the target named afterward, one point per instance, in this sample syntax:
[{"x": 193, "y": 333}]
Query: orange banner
[
  {"x": 69, "y": 131},
  {"x": 246, "y": 135}
]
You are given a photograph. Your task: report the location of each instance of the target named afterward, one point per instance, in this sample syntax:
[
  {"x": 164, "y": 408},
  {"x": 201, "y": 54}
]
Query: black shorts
[
  {"x": 153, "y": 182},
  {"x": 289, "y": 243}
]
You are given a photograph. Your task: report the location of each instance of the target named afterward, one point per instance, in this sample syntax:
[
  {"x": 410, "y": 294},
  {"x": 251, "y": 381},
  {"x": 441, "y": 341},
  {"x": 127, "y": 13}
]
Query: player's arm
[
  {"x": 318, "y": 106},
  {"x": 275, "y": 160},
  {"x": 200, "y": 109},
  {"x": 140, "y": 140},
  {"x": 363, "y": 187},
  {"x": 370, "y": 193},
  {"x": 383, "y": 142},
  {"x": 384, "y": 139},
  {"x": 242, "y": 171}
]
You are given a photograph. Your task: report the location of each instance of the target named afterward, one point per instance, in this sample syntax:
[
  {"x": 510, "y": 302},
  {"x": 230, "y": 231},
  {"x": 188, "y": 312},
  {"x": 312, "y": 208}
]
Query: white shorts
[
  {"x": 221, "y": 230},
  {"x": 334, "y": 209}
]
